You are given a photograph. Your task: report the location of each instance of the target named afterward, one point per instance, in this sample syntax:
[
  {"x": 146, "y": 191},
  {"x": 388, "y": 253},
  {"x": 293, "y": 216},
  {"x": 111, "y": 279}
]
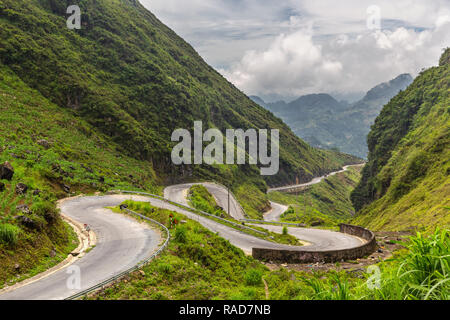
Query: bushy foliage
[
  {"x": 135, "y": 80},
  {"x": 181, "y": 234},
  {"x": 253, "y": 277},
  {"x": 201, "y": 199},
  {"x": 405, "y": 182},
  {"x": 9, "y": 233}
]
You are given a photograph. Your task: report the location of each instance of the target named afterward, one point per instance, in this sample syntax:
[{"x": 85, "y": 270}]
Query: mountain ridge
[{"x": 324, "y": 122}]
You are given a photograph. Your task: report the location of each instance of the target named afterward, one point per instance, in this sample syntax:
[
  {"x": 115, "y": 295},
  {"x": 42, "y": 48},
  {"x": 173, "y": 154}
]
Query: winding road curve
[
  {"x": 122, "y": 242},
  {"x": 178, "y": 193},
  {"x": 313, "y": 181},
  {"x": 318, "y": 240},
  {"x": 275, "y": 213},
  {"x": 279, "y": 209}
]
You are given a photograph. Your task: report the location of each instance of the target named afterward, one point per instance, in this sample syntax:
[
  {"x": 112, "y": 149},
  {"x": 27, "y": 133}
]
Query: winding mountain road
[
  {"x": 178, "y": 193},
  {"x": 318, "y": 239},
  {"x": 313, "y": 181},
  {"x": 279, "y": 209},
  {"x": 122, "y": 242},
  {"x": 275, "y": 213}
]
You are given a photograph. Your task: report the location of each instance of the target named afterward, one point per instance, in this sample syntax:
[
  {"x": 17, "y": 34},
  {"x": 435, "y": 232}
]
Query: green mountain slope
[
  {"x": 133, "y": 78},
  {"x": 406, "y": 180},
  {"x": 93, "y": 109},
  {"x": 55, "y": 155}
]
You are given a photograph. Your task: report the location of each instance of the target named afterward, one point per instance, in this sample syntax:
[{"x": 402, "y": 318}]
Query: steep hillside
[
  {"x": 133, "y": 78},
  {"x": 53, "y": 155},
  {"x": 406, "y": 180},
  {"x": 93, "y": 109},
  {"x": 326, "y": 123}
]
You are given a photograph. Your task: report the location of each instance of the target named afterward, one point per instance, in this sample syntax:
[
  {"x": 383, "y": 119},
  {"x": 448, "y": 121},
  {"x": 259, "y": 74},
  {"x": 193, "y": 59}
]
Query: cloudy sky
[{"x": 286, "y": 48}]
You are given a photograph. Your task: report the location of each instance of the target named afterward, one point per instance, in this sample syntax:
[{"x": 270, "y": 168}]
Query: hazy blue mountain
[{"x": 324, "y": 122}]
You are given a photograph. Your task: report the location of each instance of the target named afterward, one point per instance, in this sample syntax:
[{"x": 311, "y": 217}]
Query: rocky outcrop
[
  {"x": 44, "y": 143},
  {"x": 66, "y": 188},
  {"x": 6, "y": 171},
  {"x": 23, "y": 208},
  {"x": 29, "y": 222},
  {"x": 21, "y": 188}
]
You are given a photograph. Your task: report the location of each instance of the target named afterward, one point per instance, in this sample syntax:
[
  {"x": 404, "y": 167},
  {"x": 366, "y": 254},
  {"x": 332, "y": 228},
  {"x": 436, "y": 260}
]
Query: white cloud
[
  {"x": 291, "y": 59},
  {"x": 292, "y": 47},
  {"x": 295, "y": 64}
]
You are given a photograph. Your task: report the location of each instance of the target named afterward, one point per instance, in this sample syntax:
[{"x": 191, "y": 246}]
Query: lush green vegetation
[
  {"x": 326, "y": 203},
  {"x": 9, "y": 233},
  {"x": 133, "y": 78},
  {"x": 200, "y": 265},
  {"x": 254, "y": 202},
  {"x": 93, "y": 109},
  {"x": 406, "y": 180},
  {"x": 197, "y": 265},
  {"x": 200, "y": 198},
  {"x": 74, "y": 156}
]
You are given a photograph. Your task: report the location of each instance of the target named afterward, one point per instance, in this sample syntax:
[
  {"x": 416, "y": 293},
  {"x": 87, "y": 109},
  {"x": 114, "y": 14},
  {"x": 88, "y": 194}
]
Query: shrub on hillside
[
  {"x": 253, "y": 277},
  {"x": 9, "y": 234},
  {"x": 181, "y": 234}
]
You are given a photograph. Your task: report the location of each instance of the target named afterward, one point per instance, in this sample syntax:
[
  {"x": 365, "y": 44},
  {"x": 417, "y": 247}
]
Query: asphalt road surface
[
  {"x": 275, "y": 213},
  {"x": 318, "y": 239},
  {"x": 179, "y": 192},
  {"x": 313, "y": 181},
  {"x": 121, "y": 244}
]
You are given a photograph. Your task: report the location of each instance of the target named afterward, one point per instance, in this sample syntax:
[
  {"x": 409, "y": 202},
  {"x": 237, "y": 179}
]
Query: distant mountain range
[{"x": 324, "y": 122}]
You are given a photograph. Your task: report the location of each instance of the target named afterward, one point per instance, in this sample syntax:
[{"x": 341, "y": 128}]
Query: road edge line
[{"x": 83, "y": 245}]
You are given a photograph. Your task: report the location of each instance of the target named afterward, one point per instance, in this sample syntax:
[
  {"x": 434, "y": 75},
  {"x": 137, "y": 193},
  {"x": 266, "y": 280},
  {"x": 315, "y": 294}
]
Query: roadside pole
[{"x": 228, "y": 200}]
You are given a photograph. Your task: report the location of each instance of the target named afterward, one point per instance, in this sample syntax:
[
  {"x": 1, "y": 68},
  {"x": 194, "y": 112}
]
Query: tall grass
[
  {"x": 9, "y": 234},
  {"x": 334, "y": 288},
  {"x": 423, "y": 273}
]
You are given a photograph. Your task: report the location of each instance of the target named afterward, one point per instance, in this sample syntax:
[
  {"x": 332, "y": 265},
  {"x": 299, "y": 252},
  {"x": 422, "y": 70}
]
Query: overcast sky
[{"x": 286, "y": 48}]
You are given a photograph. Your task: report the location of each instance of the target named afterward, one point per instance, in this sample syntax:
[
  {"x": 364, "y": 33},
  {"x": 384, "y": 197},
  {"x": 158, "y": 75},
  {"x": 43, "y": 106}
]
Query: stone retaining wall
[{"x": 303, "y": 256}]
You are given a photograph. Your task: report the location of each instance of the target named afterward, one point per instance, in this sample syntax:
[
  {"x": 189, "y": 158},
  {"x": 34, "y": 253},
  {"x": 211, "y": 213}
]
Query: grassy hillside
[
  {"x": 133, "y": 78},
  {"x": 406, "y": 180},
  {"x": 93, "y": 109},
  {"x": 199, "y": 265},
  {"x": 327, "y": 202},
  {"x": 74, "y": 158},
  {"x": 200, "y": 198}
]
